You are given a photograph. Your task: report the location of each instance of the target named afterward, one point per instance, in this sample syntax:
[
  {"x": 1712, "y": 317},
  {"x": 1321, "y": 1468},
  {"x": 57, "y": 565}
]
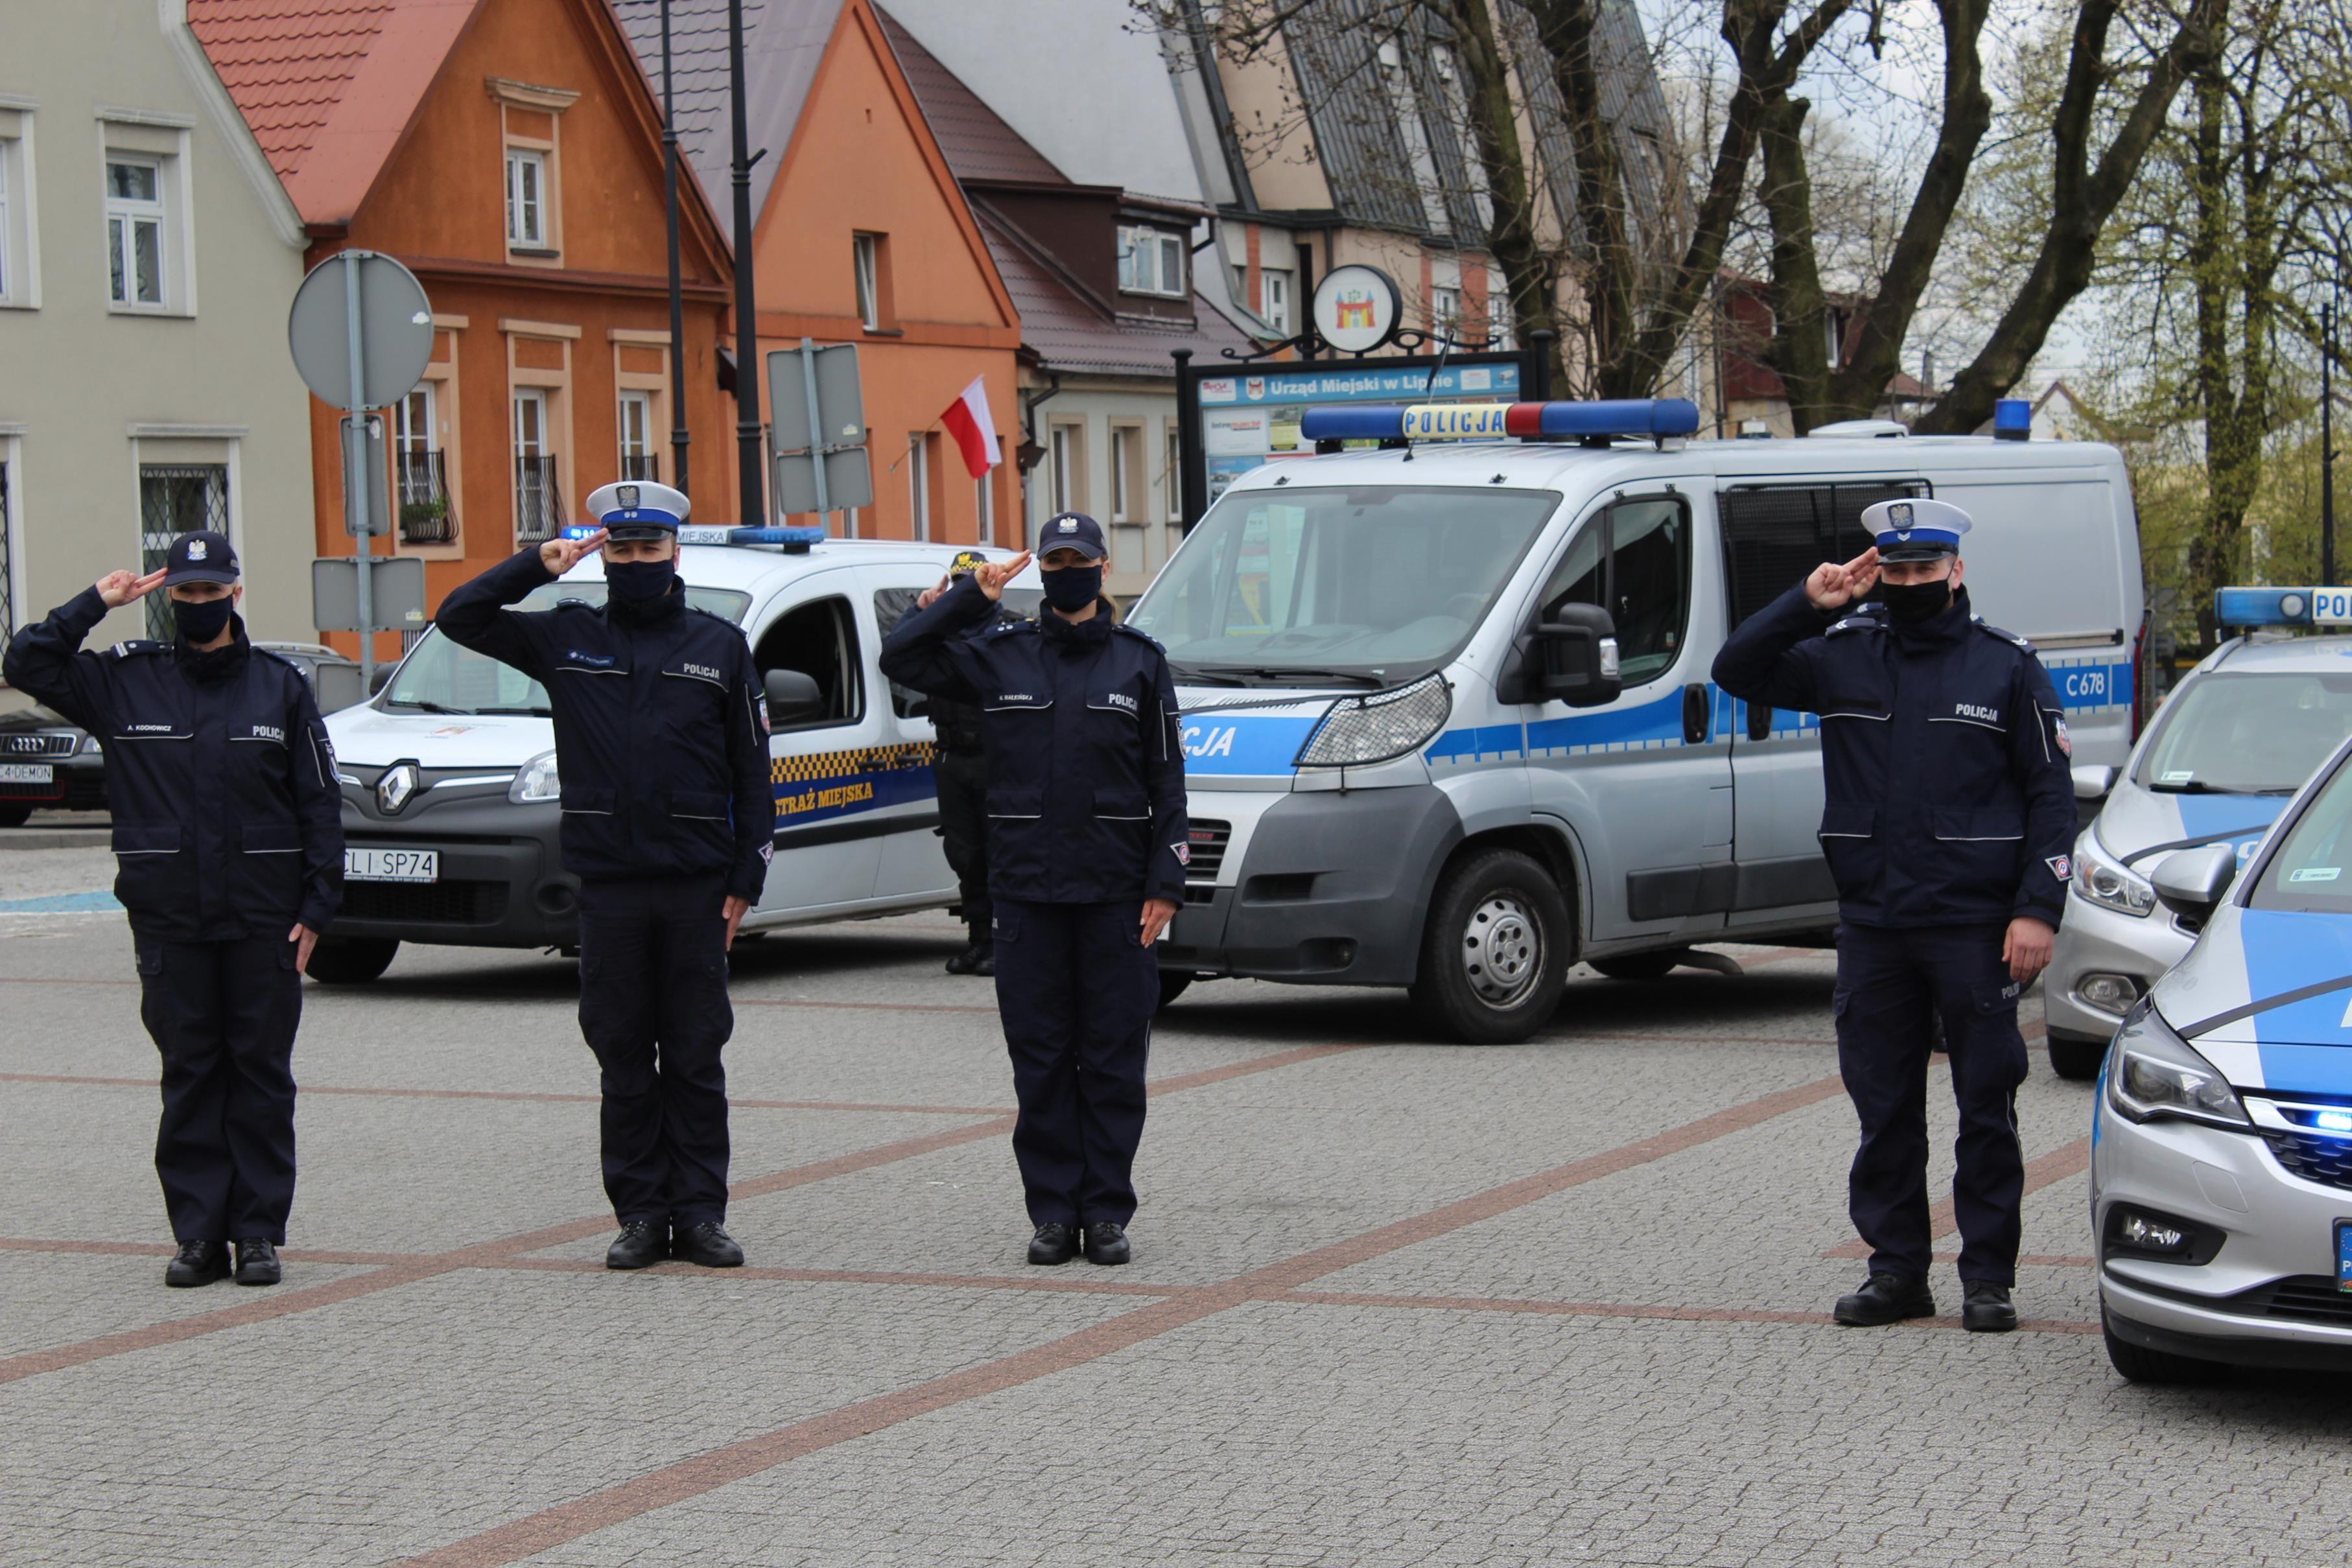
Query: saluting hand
[
  {"x": 1832, "y": 587},
  {"x": 992, "y": 576},
  {"x": 930, "y": 596},
  {"x": 560, "y": 555},
  {"x": 1157, "y": 913},
  {"x": 120, "y": 588}
]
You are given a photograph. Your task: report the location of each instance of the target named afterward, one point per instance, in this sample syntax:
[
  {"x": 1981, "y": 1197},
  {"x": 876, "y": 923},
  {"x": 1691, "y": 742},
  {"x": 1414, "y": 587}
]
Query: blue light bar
[
  {"x": 748, "y": 535},
  {"x": 2012, "y": 419},
  {"x": 1646, "y": 417},
  {"x": 2283, "y": 607}
]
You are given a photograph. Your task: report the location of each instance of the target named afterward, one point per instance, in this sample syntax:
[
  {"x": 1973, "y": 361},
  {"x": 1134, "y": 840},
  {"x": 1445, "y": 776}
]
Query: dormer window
[{"x": 1150, "y": 261}]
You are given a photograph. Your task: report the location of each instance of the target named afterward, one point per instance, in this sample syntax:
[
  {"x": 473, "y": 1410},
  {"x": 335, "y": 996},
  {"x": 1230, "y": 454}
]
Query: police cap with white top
[
  {"x": 1915, "y": 529},
  {"x": 638, "y": 509}
]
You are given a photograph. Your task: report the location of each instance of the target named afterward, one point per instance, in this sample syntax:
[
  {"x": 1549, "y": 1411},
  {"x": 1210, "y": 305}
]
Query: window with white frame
[
  {"x": 526, "y": 198},
  {"x": 1172, "y": 483},
  {"x": 864, "y": 261},
  {"x": 420, "y": 479},
  {"x": 639, "y": 458},
  {"x": 918, "y": 483},
  {"x": 20, "y": 268},
  {"x": 134, "y": 231},
  {"x": 1150, "y": 261},
  {"x": 7, "y": 536},
  {"x": 539, "y": 496},
  {"x": 1445, "y": 310},
  {"x": 7, "y": 229},
  {"x": 1127, "y": 502},
  {"x": 1501, "y": 330},
  {"x": 1066, "y": 454},
  {"x": 1274, "y": 297}
]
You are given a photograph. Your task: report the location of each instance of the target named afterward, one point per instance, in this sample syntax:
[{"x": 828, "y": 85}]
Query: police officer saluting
[
  {"x": 1087, "y": 840},
  {"x": 960, "y": 770},
  {"x": 228, "y": 833},
  {"x": 1948, "y": 824},
  {"x": 668, "y": 823}
]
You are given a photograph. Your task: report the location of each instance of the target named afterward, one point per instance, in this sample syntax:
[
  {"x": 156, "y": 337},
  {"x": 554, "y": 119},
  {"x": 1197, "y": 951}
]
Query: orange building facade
[
  {"x": 509, "y": 153},
  {"x": 861, "y": 235}
]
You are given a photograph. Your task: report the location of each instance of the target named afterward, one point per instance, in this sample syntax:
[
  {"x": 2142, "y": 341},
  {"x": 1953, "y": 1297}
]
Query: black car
[{"x": 47, "y": 763}]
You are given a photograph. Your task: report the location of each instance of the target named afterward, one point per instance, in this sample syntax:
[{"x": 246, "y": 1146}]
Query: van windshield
[
  {"x": 440, "y": 676},
  {"x": 1373, "y": 585},
  {"x": 2247, "y": 733}
]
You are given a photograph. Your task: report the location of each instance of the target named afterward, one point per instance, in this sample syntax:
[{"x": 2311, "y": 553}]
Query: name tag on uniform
[{"x": 1002, "y": 700}]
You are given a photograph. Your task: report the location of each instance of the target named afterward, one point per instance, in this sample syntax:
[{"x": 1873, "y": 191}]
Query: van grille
[
  {"x": 1208, "y": 848},
  {"x": 426, "y": 902},
  {"x": 2325, "y": 1160}
]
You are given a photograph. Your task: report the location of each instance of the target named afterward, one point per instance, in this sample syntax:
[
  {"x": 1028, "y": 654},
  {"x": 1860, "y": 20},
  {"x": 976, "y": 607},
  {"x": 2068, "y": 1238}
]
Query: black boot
[
  {"x": 709, "y": 1245},
  {"x": 640, "y": 1244},
  {"x": 1107, "y": 1242},
  {"x": 257, "y": 1262},
  {"x": 1053, "y": 1244},
  {"x": 1985, "y": 1307},
  {"x": 977, "y": 957},
  {"x": 198, "y": 1263},
  {"x": 1885, "y": 1299}
]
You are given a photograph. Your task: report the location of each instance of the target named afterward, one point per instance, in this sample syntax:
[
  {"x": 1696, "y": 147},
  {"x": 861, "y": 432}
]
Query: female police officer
[
  {"x": 1086, "y": 863},
  {"x": 228, "y": 827}
]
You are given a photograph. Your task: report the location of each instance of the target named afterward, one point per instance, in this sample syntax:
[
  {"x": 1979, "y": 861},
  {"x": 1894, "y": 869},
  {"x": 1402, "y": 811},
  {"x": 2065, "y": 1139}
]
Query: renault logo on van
[{"x": 393, "y": 790}]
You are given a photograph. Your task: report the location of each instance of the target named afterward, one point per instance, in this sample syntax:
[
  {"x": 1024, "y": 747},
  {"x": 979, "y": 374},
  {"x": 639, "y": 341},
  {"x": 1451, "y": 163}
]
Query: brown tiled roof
[
  {"x": 328, "y": 86},
  {"x": 975, "y": 141},
  {"x": 1069, "y": 333}
]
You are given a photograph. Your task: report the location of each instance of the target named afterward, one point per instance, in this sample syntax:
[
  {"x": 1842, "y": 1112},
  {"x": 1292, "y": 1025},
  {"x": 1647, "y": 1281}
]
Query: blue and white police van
[
  {"x": 2222, "y": 1136},
  {"x": 2237, "y": 737},
  {"x": 451, "y": 811},
  {"x": 1448, "y": 723}
]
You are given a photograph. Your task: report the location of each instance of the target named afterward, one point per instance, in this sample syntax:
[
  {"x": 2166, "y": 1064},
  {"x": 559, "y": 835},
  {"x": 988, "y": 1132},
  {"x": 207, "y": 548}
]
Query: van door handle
[{"x": 1694, "y": 714}]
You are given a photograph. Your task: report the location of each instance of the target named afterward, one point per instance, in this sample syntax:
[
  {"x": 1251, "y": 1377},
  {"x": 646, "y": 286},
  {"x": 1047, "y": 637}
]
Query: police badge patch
[
  {"x": 1183, "y": 853},
  {"x": 2058, "y": 734},
  {"x": 2062, "y": 867}
]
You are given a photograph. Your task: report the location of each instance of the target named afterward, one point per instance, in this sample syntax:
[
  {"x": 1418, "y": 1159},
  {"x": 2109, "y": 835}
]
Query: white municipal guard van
[
  {"x": 1448, "y": 722},
  {"x": 450, "y": 794}
]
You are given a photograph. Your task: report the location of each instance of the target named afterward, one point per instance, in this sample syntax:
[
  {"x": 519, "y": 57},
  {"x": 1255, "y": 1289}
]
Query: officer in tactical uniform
[
  {"x": 661, "y": 740},
  {"x": 1088, "y": 841},
  {"x": 1948, "y": 824},
  {"x": 961, "y": 772},
  {"x": 229, "y": 842}
]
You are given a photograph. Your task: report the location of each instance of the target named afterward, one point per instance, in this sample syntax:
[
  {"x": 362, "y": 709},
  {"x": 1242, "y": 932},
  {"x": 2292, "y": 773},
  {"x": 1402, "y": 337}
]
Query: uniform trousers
[
  {"x": 962, "y": 778},
  {"x": 223, "y": 1015},
  {"x": 1077, "y": 989},
  {"x": 654, "y": 1009},
  {"x": 1891, "y": 985}
]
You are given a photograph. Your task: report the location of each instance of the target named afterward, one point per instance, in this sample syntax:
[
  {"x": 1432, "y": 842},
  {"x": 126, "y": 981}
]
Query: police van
[
  {"x": 1448, "y": 723},
  {"x": 451, "y": 808}
]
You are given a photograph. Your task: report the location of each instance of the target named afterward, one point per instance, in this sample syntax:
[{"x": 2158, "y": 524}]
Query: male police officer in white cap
[
  {"x": 668, "y": 823},
  {"x": 1948, "y": 822}
]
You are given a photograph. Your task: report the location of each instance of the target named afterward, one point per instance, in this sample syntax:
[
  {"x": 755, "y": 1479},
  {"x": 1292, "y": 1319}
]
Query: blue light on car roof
[
  {"x": 790, "y": 539},
  {"x": 1651, "y": 418},
  {"x": 2282, "y": 606}
]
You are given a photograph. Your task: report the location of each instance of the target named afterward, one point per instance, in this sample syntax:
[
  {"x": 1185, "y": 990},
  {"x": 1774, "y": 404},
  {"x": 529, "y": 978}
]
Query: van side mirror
[
  {"x": 2093, "y": 781},
  {"x": 794, "y": 698},
  {"x": 382, "y": 678},
  {"x": 1576, "y": 656},
  {"x": 2192, "y": 882}
]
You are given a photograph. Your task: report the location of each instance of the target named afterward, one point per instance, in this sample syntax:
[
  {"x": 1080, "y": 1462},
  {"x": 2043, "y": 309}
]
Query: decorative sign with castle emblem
[{"x": 1357, "y": 308}]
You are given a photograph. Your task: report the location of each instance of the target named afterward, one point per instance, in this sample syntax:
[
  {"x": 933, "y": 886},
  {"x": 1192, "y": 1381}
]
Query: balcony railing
[
  {"x": 428, "y": 515},
  {"x": 538, "y": 501},
  {"x": 643, "y": 466}
]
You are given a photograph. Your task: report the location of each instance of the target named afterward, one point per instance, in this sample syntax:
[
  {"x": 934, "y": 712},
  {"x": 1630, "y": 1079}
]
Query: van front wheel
[{"x": 1493, "y": 956}]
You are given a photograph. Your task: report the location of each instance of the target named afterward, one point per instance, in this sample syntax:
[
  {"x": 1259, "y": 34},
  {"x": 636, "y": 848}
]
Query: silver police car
[
  {"x": 2222, "y": 1138},
  {"x": 2233, "y": 742}
]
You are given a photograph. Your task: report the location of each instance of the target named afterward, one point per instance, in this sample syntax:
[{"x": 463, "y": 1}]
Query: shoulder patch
[
  {"x": 138, "y": 645},
  {"x": 998, "y": 629},
  {"x": 2012, "y": 638},
  {"x": 1123, "y": 629}
]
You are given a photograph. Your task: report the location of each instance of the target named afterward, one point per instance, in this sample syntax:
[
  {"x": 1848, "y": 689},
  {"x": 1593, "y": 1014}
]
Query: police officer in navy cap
[
  {"x": 229, "y": 844},
  {"x": 1088, "y": 841},
  {"x": 1949, "y": 821},
  {"x": 960, "y": 772},
  {"x": 661, "y": 742}
]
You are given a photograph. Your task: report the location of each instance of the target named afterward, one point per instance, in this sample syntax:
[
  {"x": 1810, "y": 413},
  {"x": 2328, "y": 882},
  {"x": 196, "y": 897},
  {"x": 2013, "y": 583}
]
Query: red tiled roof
[
  {"x": 328, "y": 86},
  {"x": 974, "y": 137}
]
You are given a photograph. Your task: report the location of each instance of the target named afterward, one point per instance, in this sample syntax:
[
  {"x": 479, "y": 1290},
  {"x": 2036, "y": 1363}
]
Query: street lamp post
[
  {"x": 2327, "y": 445},
  {"x": 678, "y": 436},
  {"x": 752, "y": 491}
]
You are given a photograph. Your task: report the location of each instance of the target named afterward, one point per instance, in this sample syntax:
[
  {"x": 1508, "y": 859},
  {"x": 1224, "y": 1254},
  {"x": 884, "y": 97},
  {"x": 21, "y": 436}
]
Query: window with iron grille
[
  {"x": 1774, "y": 535},
  {"x": 539, "y": 502},
  {"x": 639, "y": 460},
  {"x": 428, "y": 513},
  {"x": 175, "y": 498}
]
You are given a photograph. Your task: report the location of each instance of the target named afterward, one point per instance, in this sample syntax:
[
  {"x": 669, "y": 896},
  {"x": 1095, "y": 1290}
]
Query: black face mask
[
  {"x": 201, "y": 621},
  {"x": 1912, "y": 603},
  {"x": 1073, "y": 588},
  {"x": 639, "y": 583}
]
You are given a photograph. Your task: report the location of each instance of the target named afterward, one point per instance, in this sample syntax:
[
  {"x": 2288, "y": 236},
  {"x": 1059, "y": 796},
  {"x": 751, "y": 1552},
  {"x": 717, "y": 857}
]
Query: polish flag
[{"x": 975, "y": 432}]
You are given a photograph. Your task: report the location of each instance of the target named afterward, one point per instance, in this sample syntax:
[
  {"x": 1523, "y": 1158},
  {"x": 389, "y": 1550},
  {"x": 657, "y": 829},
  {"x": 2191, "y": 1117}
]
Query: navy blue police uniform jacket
[
  {"x": 1078, "y": 727},
  {"x": 1949, "y": 794},
  {"x": 661, "y": 733},
  {"x": 219, "y": 778}
]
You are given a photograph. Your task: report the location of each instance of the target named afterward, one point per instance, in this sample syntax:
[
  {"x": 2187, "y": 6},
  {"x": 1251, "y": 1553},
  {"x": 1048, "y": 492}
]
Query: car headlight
[
  {"x": 1359, "y": 731},
  {"x": 2152, "y": 1072},
  {"x": 2106, "y": 884},
  {"x": 90, "y": 745},
  {"x": 536, "y": 780}
]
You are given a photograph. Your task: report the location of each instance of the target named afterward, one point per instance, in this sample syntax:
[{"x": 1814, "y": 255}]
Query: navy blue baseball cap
[
  {"x": 202, "y": 556},
  {"x": 1072, "y": 531}
]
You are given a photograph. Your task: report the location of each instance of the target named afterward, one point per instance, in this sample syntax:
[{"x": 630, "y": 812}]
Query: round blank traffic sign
[{"x": 396, "y": 330}]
